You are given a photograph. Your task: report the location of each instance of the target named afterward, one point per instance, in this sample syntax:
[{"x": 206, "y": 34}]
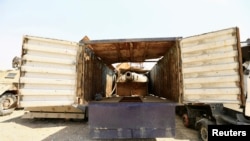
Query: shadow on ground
[{"x": 77, "y": 130}]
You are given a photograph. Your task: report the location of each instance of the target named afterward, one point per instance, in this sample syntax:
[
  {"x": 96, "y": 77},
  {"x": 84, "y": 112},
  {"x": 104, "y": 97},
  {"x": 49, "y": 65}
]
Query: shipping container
[{"x": 56, "y": 74}]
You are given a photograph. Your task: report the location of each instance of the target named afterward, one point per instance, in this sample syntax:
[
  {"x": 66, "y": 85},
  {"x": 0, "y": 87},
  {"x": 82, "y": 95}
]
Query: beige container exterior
[
  {"x": 48, "y": 72},
  {"x": 212, "y": 68}
]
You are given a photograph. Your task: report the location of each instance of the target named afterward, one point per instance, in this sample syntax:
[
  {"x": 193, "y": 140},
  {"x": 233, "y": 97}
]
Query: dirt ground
[{"x": 14, "y": 128}]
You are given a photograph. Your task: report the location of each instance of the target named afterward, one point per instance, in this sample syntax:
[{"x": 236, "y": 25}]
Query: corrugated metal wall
[
  {"x": 48, "y": 72},
  {"x": 211, "y": 67},
  {"x": 164, "y": 79}
]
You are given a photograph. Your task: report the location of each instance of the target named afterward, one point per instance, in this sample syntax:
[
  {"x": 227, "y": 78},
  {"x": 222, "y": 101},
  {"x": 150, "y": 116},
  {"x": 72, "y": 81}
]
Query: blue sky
[{"x": 107, "y": 19}]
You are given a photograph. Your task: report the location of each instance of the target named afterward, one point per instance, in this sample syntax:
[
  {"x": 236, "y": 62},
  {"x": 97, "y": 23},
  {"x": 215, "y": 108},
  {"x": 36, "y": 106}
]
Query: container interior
[{"x": 99, "y": 74}]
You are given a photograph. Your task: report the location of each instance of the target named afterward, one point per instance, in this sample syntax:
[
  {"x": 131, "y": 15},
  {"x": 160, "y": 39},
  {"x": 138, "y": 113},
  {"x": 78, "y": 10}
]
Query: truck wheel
[
  {"x": 203, "y": 132},
  {"x": 7, "y": 104},
  {"x": 188, "y": 121},
  {"x": 185, "y": 120}
]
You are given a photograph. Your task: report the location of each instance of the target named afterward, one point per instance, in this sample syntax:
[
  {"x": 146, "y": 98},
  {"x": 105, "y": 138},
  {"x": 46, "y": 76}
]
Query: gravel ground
[{"x": 14, "y": 128}]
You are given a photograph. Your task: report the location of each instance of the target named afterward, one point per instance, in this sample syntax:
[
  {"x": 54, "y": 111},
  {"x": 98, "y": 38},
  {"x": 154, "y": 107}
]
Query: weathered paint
[
  {"x": 211, "y": 67},
  {"x": 130, "y": 50},
  {"x": 48, "y": 72},
  {"x": 97, "y": 77},
  {"x": 9, "y": 81},
  {"x": 200, "y": 69},
  {"x": 131, "y": 119},
  {"x": 164, "y": 76}
]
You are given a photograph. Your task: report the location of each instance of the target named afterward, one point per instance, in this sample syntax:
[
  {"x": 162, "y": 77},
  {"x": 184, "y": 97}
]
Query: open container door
[
  {"x": 212, "y": 68},
  {"x": 48, "y": 72}
]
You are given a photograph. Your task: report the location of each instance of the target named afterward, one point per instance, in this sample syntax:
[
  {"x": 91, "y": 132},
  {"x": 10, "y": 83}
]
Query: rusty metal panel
[
  {"x": 130, "y": 50},
  {"x": 48, "y": 72},
  {"x": 211, "y": 67},
  {"x": 164, "y": 80},
  {"x": 132, "y": 88}
]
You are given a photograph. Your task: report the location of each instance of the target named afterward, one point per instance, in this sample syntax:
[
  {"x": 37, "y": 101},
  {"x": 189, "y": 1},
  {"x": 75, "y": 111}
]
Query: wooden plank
[
  {"x": 133, "y": 88},
  {"x": 211, "y": 99},
  {"x": 65, "y": 51},
  {"x": 44, "y": 87},
  {"x": 64, "y": 60},
  {"x": 31, "y": 115},
  {"x": 210, "y": 57},
  {"x": 67, "y": 109},
  {"x": 45, "y": 103},
  {"x": 230, "y": 66},
  {"x": 210, "y": 74},
  {"x": 50, "y": 98},
  {"x": 218, "y": 91},
  {"x": 234, "y": 78},
  {"x": 212, "y": 85},
  {"x": 208, "y": 46},
  {"x": 52, "y": 92},
  {"x": 26, "y": 68},
  {"x": 49, "y": 41},
  {"x": 227, "y": 48},
  {"x": 210, "y": 51},
  {"x": 226, "y": 32},
  {"x": 49, "y": 66},
  {"x": 207, "y": 97},
  {"x": 210, "y": 62},
  {"x": 47, "y": 81},
  {"x": 51, "y": 76}
]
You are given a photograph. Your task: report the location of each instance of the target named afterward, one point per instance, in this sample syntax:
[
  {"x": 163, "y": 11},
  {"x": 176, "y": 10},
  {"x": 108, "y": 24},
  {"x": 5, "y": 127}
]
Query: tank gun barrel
[{"x": 129, "y": 76}]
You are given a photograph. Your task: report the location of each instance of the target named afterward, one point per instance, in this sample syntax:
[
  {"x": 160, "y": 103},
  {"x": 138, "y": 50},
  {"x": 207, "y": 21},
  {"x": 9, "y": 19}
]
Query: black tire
[
  {"x": 8, "y": 103},
  {"x": 86, "y": 114},
  {"x": 180, "y": 110},
  {"x": 203, "y": 132},
  {"x": 185, "y": 120},
  {"x": 188, "y": 121}
]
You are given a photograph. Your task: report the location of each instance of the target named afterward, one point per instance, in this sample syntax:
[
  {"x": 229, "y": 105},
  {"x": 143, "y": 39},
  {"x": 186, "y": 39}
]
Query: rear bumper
[{"x": 131, "y": 120}]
